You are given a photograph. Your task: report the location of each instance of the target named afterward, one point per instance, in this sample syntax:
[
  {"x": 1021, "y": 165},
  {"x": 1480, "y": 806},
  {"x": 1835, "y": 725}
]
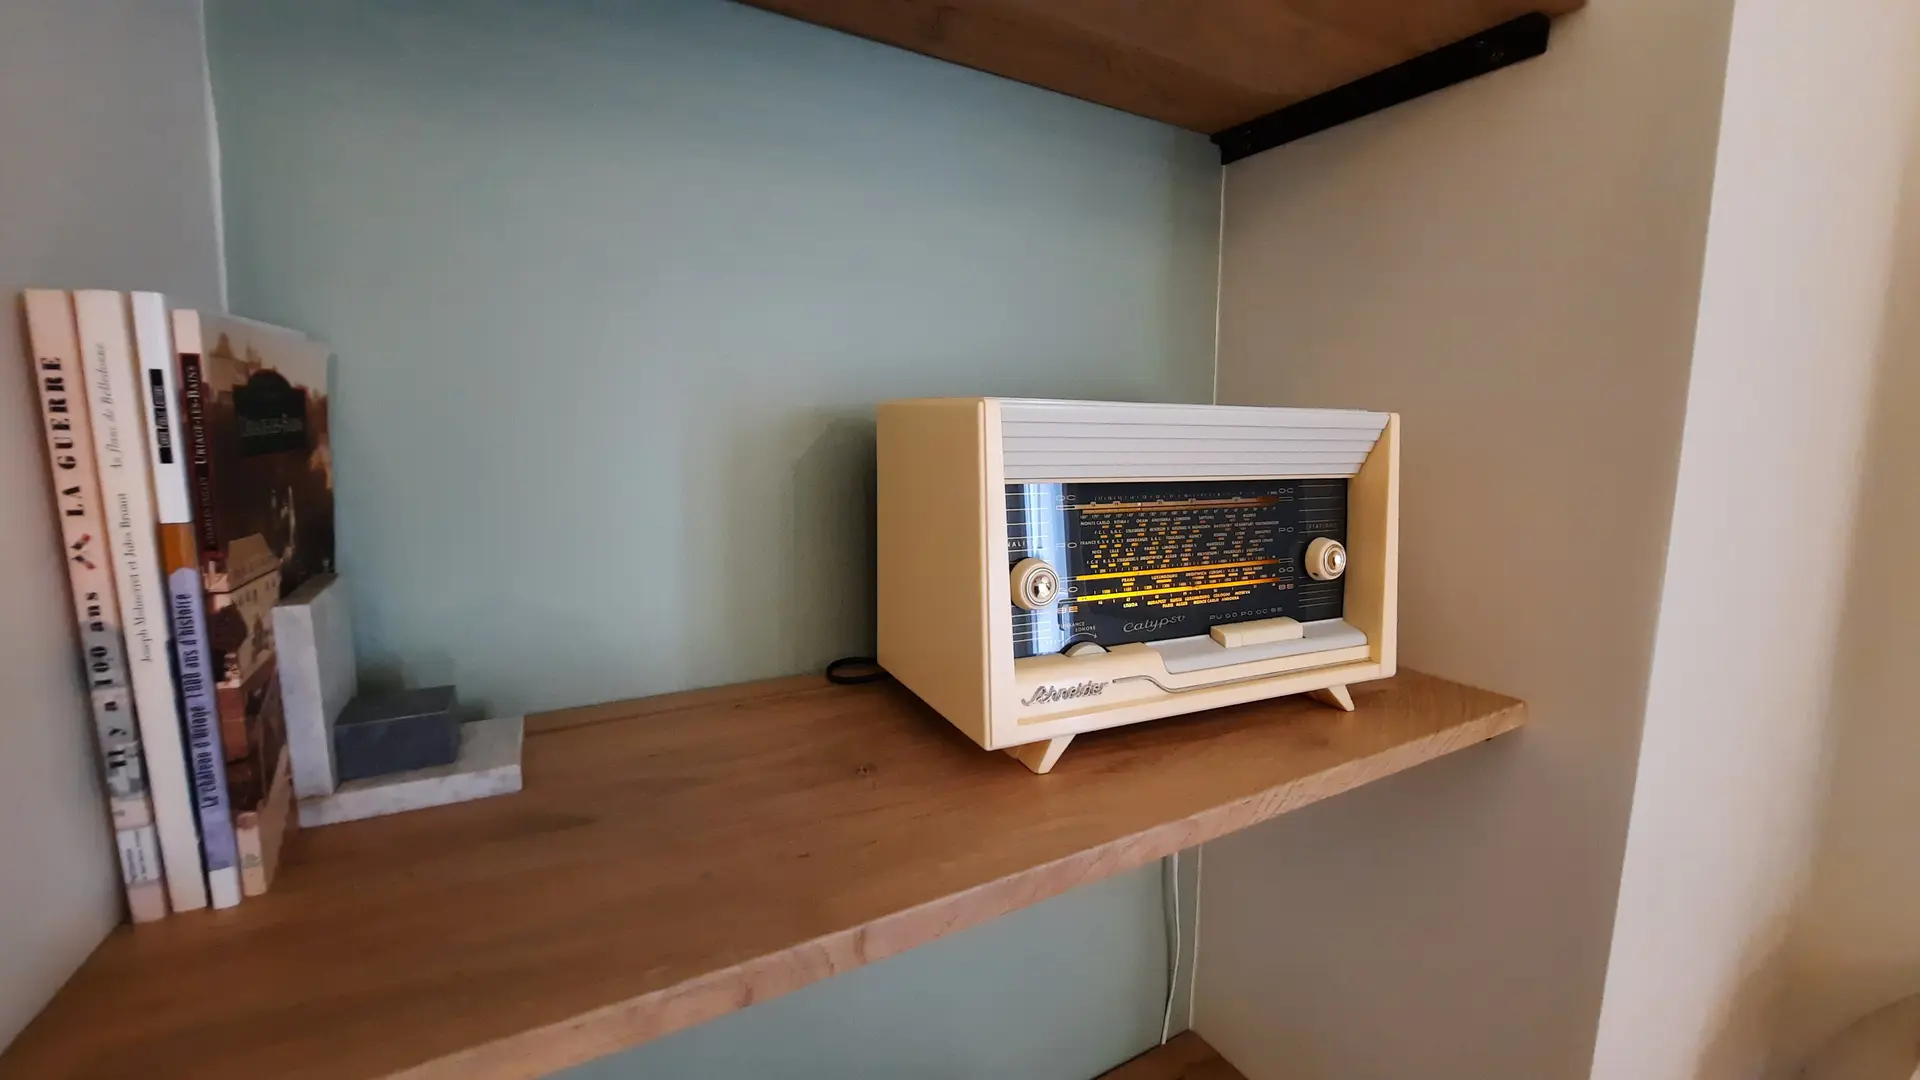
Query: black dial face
[{"x": 1155, "y": 561}]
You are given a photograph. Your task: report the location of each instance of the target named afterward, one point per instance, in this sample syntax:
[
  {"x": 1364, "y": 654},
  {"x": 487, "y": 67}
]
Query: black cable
[{"x": 836, "y": 671}]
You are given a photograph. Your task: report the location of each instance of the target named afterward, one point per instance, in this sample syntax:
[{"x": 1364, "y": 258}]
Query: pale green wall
[
  {"x": 1061, "y": 991},
  {"x": 613, "y": 288}
]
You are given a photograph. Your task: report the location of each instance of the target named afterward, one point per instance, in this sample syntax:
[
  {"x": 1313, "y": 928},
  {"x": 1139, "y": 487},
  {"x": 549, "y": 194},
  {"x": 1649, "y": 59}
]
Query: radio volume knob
[
  {"x": 1035, "y": 584},
  {"x": 1326, "y": 559}
]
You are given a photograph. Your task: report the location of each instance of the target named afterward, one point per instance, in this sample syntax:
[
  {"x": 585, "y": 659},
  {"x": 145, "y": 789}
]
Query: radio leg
[
  {"x": 1336, "y": 696},
  {"x": 1041, "y": 756}
]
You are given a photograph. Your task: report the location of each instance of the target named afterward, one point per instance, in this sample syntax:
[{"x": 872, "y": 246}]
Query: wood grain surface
[
  {"x": 1186, "y": 1056},
  {"x": 677, "y": 858},
  {"x": 1204, "y": 65}
]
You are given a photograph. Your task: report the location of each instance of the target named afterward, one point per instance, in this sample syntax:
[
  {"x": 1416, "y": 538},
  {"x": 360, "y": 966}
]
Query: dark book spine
[{"x": 199, "y": 453}]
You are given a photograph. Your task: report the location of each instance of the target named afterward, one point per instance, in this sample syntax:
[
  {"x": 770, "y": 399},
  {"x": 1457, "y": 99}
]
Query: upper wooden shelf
[
  {"x": 677, "y": 858},
  {"x": 1205, "y": 65}
]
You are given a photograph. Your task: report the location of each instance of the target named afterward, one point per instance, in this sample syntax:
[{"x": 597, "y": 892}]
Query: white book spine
[
  {"x": 58, "y": 382},
  {"x": 119, "y": 448},
  {"x": 153, "y": 340}
]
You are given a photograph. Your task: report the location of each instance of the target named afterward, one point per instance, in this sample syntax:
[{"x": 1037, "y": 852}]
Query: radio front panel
[{"x": 1142, "y": 562}]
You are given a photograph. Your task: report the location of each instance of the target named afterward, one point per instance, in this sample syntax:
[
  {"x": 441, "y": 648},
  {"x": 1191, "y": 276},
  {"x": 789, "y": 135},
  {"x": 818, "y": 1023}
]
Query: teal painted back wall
[{"x": 613, "y": 288}]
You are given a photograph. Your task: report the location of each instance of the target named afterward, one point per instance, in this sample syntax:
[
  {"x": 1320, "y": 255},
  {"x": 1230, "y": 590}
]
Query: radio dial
[
  {"x": 1035, "y": 584},
  {"x": 1326, "y": 559}
]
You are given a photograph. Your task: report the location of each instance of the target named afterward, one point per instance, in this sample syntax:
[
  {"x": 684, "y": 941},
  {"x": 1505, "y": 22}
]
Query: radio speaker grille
[{"x": 1072, "y": 440}]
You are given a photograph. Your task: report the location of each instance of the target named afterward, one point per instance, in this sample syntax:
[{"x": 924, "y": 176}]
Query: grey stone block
[
  {"x": 489, "y": 765},
  {"x": 390, "y": 733}
]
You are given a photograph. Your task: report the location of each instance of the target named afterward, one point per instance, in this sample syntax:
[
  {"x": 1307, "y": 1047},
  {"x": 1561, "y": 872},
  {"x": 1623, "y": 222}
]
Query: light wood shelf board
[
  {"x": 678, "y": 858},
  {"x": 1186, "y": 1056},
  {"x": 1204, "y": 65}
]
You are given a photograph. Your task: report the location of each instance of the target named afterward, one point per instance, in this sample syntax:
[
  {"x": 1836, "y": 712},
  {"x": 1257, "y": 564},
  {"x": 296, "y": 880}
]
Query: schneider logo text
[{"x": 1047, "y": 694}]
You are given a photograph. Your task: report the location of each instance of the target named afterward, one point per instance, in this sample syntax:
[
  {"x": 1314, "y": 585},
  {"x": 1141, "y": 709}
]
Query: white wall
[
  {"x": 1817, "y": 118},
  {"x": 1855, "y": 942},
  {"x": 1513, "y": 264},
  {"x": 105, "y": 181}
]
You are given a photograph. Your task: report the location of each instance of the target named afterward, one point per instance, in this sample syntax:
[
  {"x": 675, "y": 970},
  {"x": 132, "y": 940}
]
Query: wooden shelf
[
  {"x": 1205, "y": 65},
  {"x": 676, "y": 858},
  {"x": 1186, "y": 1056}
]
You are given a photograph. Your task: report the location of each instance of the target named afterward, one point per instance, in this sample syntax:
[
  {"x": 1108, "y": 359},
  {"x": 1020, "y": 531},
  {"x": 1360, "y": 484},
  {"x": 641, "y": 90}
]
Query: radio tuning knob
[
  {"x": 1326, "y": 559},
  {"x": 1035, "y": 584}
]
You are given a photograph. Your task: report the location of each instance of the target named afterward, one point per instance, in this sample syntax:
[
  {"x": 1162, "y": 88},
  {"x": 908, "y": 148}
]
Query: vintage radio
[{"x": 1053, "y": 567}]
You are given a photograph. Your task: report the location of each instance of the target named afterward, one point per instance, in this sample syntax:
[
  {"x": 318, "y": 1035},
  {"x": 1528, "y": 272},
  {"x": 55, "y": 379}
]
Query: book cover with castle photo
[
  {"x": 254, "y": 399},
  {"x": 256, "y": 403}
]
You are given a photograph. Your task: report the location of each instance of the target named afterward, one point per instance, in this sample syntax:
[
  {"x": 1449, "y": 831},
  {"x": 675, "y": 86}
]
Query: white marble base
[
  {"x": 313, "y": 632},
  {"x": 489, "y": 764}
]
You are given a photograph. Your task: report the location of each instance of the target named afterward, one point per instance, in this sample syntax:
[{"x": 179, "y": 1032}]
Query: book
[
  {"x": 263, "y": 471},
  {"x": 55, "y": 365},
  {"x": 240, "y": 633},
  {"x": 119, "y": 442},
  {"x": 180, "y": 558},
  {"x": 254, "y": 407}
]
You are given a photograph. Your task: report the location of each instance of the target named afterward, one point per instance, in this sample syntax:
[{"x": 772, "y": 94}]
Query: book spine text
[
  {"x": 153, "y": 339},
  {"x": 126, "y": 491},
  {"x": 70, "y": 456},
  {"x": 199, "y": 457}
]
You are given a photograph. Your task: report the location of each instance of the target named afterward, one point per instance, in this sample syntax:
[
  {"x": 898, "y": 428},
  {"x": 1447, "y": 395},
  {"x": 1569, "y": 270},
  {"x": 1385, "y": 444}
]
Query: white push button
[{"x": 1258, "y": 632}]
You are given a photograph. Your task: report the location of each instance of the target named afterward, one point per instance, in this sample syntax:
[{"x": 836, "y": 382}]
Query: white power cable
[
  {"x": 1173, "y": 969},
  {"x": 1193, "y": 969}
]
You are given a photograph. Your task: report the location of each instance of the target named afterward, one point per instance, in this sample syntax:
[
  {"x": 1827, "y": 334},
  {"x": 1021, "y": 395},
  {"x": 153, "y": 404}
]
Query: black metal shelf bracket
[{"x": 1509, "y": 43}]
